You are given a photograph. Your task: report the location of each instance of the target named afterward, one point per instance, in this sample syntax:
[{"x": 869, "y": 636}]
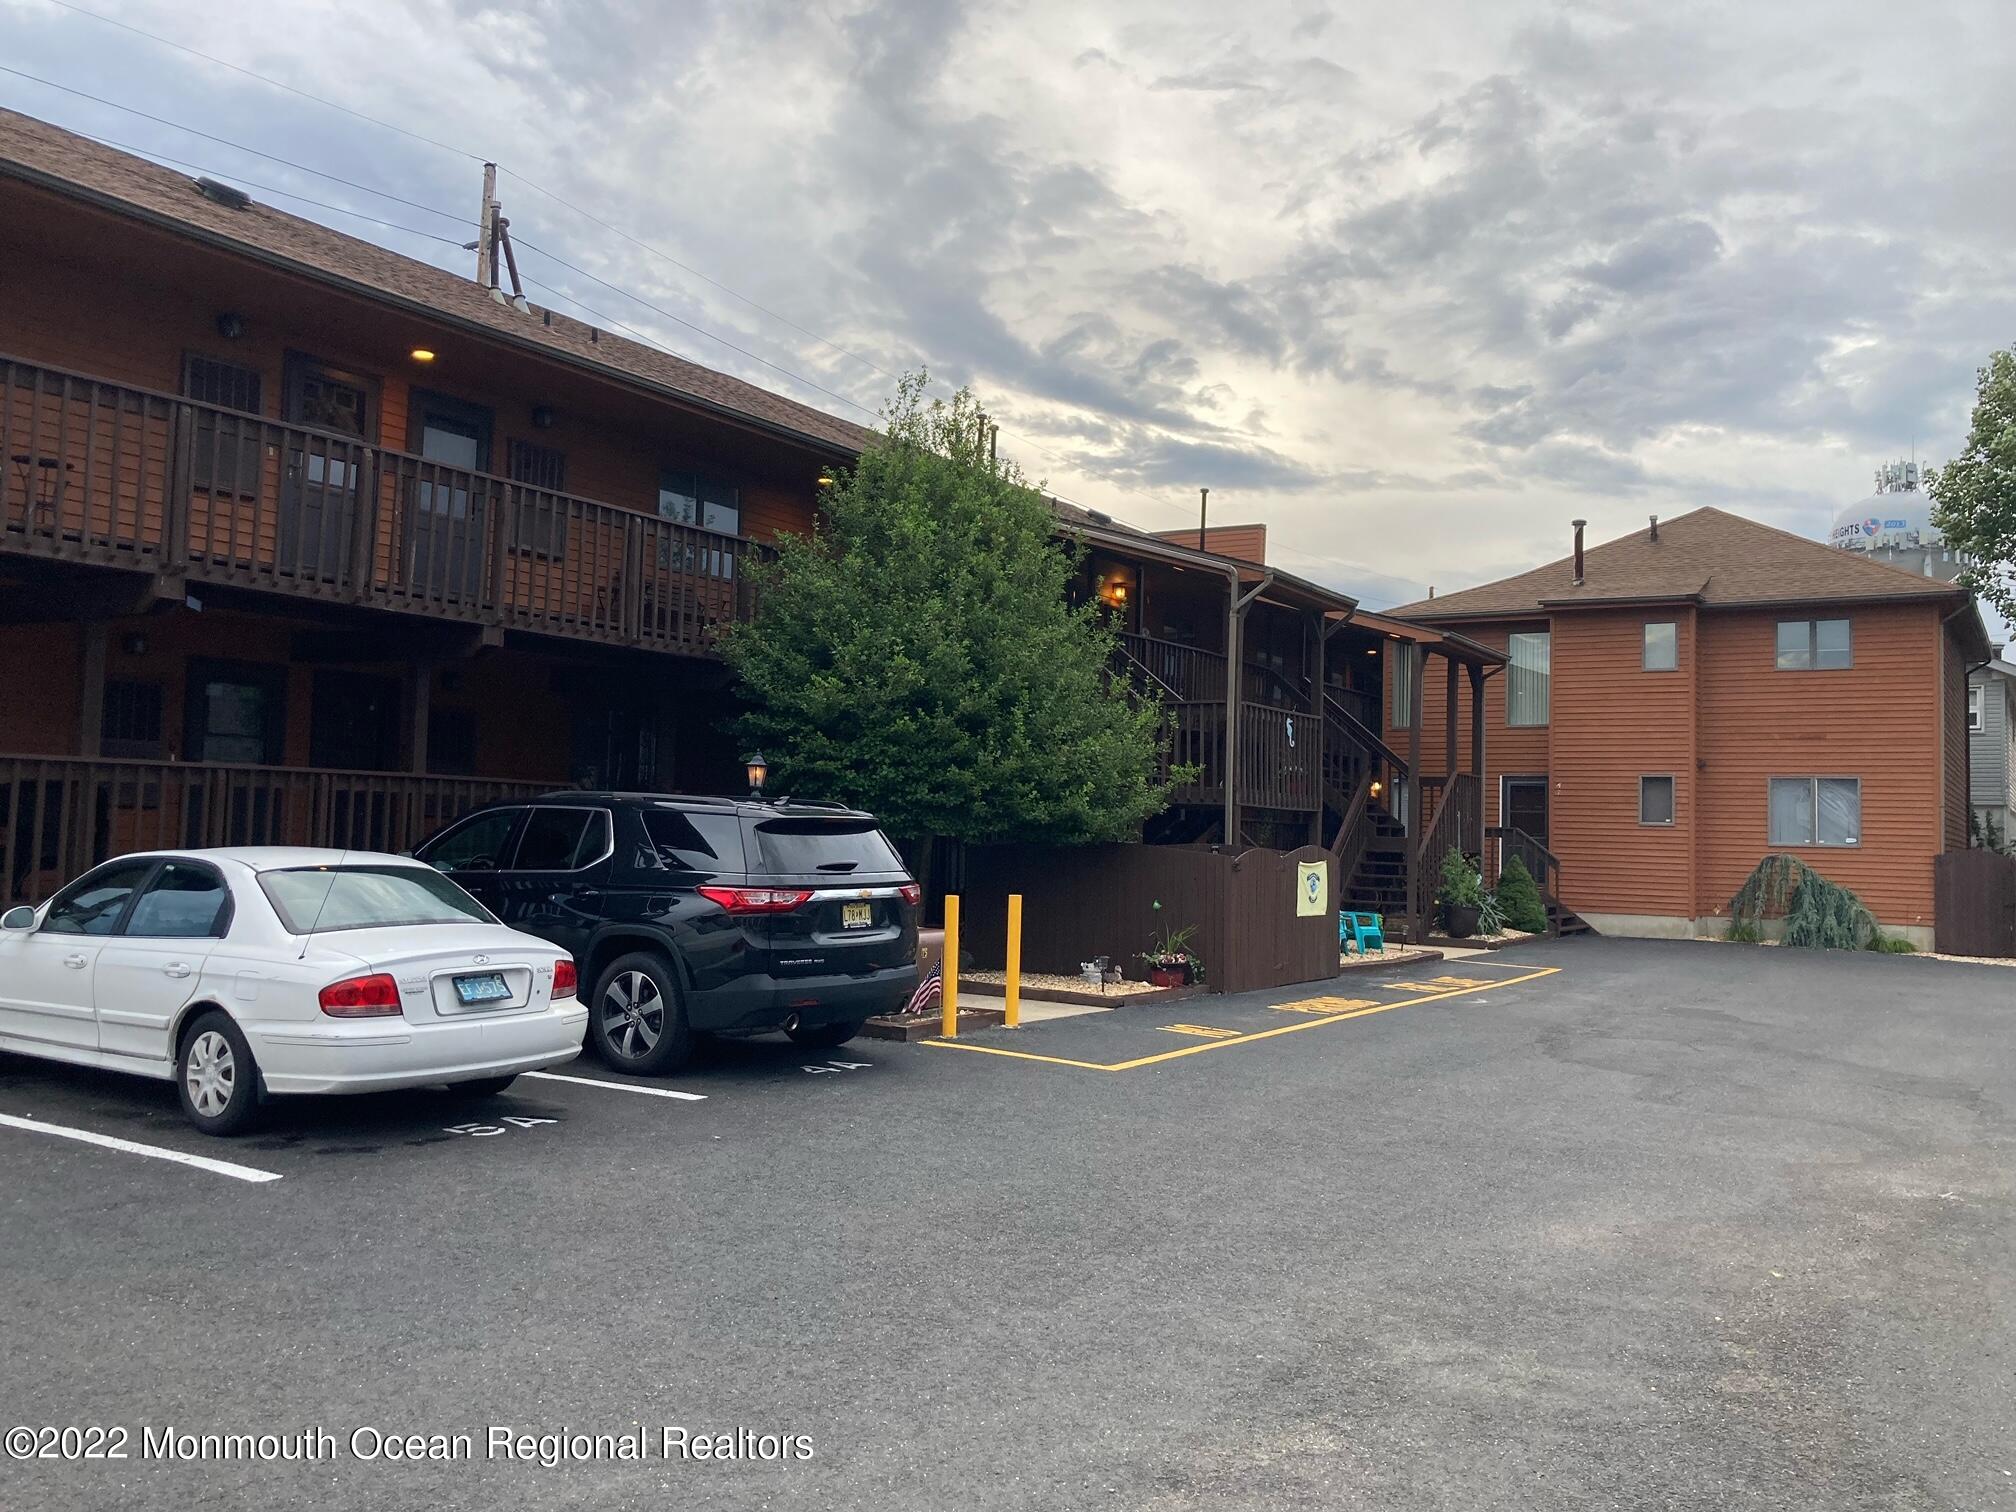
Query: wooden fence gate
[
  {"x": 1974, "y": 903},
  {"x": 1083, "y": 901}
]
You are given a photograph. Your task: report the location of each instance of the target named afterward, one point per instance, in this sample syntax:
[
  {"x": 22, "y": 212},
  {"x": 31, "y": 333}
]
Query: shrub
[
  {"x": 1744, "y": 932},
  {"x": 1892, "y": 945},
  {"x": 1462, "y": 886},
  {"x": 1519, "y": 898},
  {"x": 1819, "y": 915}
]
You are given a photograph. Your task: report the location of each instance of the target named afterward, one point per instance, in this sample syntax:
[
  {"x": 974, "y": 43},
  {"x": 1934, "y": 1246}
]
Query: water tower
[{"x": 1894, "y": 524}]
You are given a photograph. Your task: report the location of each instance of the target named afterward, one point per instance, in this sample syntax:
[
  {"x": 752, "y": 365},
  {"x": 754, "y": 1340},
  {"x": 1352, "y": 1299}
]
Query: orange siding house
[{"x": 1685, "y": 700}]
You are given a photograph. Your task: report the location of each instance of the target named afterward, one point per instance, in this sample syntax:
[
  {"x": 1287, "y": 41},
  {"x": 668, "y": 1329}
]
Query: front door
[
  {"x": 320, "y": 491},
  {"x": 1525, "y": 806},
  {"x": 445, "y": 503}
]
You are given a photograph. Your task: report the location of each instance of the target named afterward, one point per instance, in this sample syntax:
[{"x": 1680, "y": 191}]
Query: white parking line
[
  {"x": 589, "y": 1081},
  {"x": 152, "y": 1152}
]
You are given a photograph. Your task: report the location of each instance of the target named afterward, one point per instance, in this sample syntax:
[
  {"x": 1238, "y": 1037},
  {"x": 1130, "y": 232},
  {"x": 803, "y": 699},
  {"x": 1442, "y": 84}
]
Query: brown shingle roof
[
  {"x": 37, "y": 152},
  {"x": 1715, "y": 557}
]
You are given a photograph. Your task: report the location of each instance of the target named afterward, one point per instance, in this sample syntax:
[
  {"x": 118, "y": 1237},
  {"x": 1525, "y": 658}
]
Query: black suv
[{"x": 699, "y": 915}]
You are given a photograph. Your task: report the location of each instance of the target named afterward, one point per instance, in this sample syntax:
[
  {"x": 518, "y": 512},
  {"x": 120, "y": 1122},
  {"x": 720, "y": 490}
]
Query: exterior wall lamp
[{"x": 757, "y": 769}]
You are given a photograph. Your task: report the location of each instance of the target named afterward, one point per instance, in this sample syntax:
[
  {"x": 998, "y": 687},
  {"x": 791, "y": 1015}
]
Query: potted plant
[
  {"x": 1461, "y": 895},
  {"x": 1170, "y": 960}
]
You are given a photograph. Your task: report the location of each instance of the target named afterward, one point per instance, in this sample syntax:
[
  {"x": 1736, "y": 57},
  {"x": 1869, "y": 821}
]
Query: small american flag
[{"x": 930, "y": 992}]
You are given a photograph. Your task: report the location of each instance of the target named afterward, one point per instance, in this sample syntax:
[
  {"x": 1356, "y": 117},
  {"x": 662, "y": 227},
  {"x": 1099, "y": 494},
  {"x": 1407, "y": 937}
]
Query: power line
[
  {"x": 1160, "y": 503},
  {"x": 262, "y": 78},
  {"x": 227, "y": 142},
  {"x": 289, "y": 194},
  {"x": 679, "y": 320}
]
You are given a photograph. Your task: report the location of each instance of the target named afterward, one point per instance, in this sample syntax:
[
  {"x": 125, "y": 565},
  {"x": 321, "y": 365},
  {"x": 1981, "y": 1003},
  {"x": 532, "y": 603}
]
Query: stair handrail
[
  {"x": 1169, "y": 693},
  {"x": 1363, "y": 733},
  {"x": 1528, "y": 849}
]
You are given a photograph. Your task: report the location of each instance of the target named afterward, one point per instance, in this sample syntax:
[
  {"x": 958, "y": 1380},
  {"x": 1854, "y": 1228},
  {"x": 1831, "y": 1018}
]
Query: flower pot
[
  {"x": 1461, "y": 920},
  {"x": 1169, "y": 976}
]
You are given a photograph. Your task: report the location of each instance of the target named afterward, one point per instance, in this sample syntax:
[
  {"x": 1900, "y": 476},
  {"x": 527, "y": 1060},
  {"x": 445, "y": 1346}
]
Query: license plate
[
  {"x": 856, "y": 915},
  {"x": 488, "y": 988}
]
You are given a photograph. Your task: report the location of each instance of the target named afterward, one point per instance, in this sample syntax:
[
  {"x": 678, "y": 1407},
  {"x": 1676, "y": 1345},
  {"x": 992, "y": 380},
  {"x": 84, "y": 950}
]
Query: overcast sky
[{"x": 1415, "y": 284}]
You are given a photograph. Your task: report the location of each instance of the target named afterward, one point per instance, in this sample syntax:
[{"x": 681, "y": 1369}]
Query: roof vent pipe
[
  {"x": 1655, "y": 527},
  {"x": 1578, "y": 551}
]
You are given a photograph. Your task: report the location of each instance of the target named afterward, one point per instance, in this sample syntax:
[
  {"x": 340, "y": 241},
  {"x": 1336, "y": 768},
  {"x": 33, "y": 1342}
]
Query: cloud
[{"x": 1477, "y": 269}]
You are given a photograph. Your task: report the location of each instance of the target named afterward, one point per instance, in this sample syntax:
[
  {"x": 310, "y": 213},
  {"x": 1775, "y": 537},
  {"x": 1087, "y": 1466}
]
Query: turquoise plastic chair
[{"x": 1362, "y": 928}]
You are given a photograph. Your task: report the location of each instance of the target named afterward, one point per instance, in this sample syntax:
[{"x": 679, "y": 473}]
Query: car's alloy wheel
[
  {"x": 638, "y": 1022},
  {"x": 633, "y": 1014},
  {"x": 210, "y": 1072},
  {"x": 216, "y": 1077}
]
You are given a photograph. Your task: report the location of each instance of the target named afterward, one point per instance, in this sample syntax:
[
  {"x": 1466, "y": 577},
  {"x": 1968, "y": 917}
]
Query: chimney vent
[
  {"x": 1578, "y": 551},
  {"x": 1655, "y": 527}
]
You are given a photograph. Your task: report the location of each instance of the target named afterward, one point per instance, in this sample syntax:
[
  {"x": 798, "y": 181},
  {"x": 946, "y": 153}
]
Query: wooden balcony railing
[
  {"x": 101, "y": 472},
  {"x": 60, "y": 816}
]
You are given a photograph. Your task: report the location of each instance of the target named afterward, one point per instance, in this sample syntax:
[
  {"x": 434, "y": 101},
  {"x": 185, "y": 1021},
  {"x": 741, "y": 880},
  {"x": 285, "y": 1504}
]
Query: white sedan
[{"x": 255, "y": 970}]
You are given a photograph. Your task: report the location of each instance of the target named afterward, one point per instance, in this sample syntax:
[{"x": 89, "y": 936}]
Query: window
[
  {"x": 690, "y": 498},
  {"x": 130, "y": 721},
  {"x": 1816, "y": 811},
  {"x": 183, "y": 902},
  {"x": 681, "y": 841},
  {"x": 92, "y": 904},
  {"x": 476, "y": 844},
  {"x": 1655, "y": 800},
  {"x": 1527, "y": 695},
  {"x": 562, "y": 839},
  {"x": 824, "y": 845},
  {"x": 227, "y": 454},
  {"x": 1662, "y": 646},
  {"x": 1815, "y": 645},
  {"x": 1406, "y": 665},
  {"x": 1973, "y": 709},
  {"x": 542, "y": 521},
  {"x": 235, "y": 711},
  {"x": 316, "y": 900}
]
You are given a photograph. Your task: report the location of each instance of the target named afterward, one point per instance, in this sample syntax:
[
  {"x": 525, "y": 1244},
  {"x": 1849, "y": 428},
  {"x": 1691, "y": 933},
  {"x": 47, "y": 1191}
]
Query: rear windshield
[
  {"x": 318, "y": 899},
  {"x": 831, "y": 845}
]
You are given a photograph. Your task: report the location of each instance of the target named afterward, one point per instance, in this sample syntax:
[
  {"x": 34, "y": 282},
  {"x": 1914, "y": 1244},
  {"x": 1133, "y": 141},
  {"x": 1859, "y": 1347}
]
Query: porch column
[
  {"x": 1477, "y": 745},
  {"x": 421, "y": 685},
  {"x": 1417, "y": 662},
  {"x": 91, "y": 689},
  {"x": 1317, "y": 694},
  {"x": 1449, "y": 719},
  {"x": 1235, "y": 622}
]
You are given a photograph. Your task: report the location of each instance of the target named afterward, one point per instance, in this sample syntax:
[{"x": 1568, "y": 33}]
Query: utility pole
[
  {"x": 1203, "y": 512},
  {"x": 486, "y": 230}
]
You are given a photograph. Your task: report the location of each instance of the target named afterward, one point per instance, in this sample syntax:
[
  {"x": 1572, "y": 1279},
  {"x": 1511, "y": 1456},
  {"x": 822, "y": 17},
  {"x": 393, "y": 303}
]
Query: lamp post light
[{"x": 758, "y": 769}]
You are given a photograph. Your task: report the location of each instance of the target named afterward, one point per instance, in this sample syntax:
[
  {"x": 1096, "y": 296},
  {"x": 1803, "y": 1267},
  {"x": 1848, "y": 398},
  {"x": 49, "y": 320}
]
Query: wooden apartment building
[
  {"x": 1681, "y": 701},
  {"x": 303, "y": 540}
]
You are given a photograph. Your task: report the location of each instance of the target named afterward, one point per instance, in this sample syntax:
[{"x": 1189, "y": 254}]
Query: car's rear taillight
[
  {"x": 374, "y": 996},
  {"x": 566, "y": 980},
  {"x": 756, "y": 900},
  {"x": 911, "y": 893}
]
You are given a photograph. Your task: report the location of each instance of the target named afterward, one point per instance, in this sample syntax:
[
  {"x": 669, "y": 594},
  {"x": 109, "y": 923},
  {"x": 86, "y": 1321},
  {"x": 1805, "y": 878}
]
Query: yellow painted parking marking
[
  {"x": 1201, "y": 1031},
  {"x": 1243, "y": 1039},
  {"x": 1325, "y": 1005},
  {"x": 1456, "y": 983}
]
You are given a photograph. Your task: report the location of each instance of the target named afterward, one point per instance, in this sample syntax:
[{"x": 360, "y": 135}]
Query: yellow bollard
[
  {"x": 950, "y": 1024},
  {"x": 1014, "y": 1019}
]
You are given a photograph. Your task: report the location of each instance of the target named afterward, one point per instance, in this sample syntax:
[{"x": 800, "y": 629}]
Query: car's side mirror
[{"x": 18, "y": 918}]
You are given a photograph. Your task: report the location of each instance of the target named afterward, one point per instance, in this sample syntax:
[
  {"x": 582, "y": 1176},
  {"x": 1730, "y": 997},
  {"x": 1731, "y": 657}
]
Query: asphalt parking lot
[{"x": 1591, "y": 1224}]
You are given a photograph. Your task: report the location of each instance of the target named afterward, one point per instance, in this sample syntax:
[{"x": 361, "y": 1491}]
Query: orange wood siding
[
  {"x": 1954, "y": 737},
  {"x": 1613, "y": 722},
  {"x": 1723, "y": 724},
  {"x": 1244, "y": 543},
  {"x": 1521, "y": 753},
  {"x": 1878, "y": 721}
]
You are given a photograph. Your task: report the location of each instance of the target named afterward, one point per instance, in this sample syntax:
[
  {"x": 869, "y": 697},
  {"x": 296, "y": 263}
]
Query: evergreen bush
[
  {"x": 1819, "y": 914},
  {"x": 1519, "y": 898}
]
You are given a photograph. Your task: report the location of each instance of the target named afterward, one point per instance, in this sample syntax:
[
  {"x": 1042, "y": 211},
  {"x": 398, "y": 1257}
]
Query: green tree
[
  {"x": 1519, "y": 897},
  {"x": 917, "y": 655},
  {"x": 1975, "y": 494}
]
